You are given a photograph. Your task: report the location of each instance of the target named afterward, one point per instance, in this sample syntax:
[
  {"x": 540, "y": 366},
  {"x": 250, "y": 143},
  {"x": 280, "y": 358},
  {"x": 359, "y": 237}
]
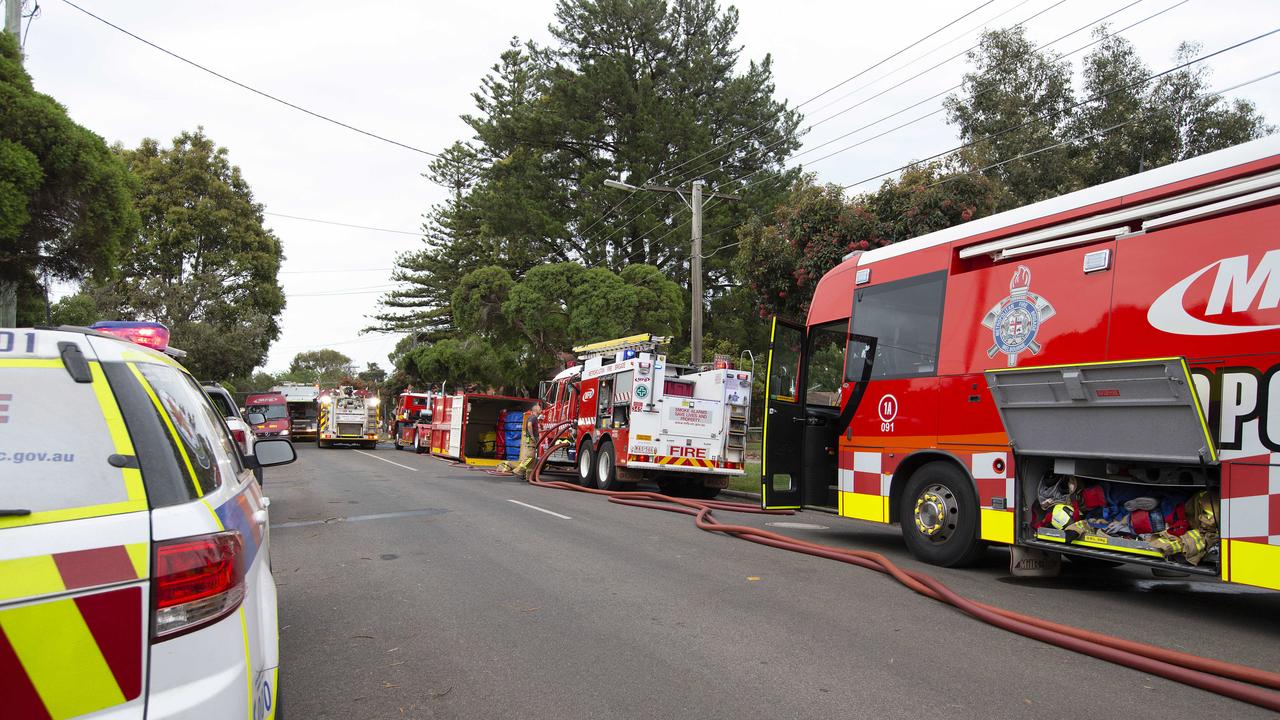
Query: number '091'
[{"x": 9, "y": 341}]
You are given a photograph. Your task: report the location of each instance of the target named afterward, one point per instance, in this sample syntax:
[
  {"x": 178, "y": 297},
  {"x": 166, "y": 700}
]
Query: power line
[
  {"x": 684, "y": 176},
  {"x": 978, "y": 94},
  {"x": 900, "y": 83},
  {"x": 333, "y": 270},
  {"x": 1043, "y": 116},
  {"x": 838, "y": 85},
  {"x": 342, "y": 224},
  {"x": 1086, "y": 136},
  {"x": 256, "y": 91}
]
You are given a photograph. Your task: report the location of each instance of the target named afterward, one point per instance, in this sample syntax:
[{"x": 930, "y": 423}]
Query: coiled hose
[{"x": 1240, "y": 682}]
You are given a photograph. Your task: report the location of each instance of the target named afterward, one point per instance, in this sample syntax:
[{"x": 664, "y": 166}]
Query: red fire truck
[
  {"x": 636, "y": 416},
  {"x": 1093, "y": 375},
  {"x": 412, "y": 415}
]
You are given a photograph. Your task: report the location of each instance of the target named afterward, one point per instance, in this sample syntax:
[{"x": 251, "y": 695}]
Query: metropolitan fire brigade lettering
[
  {"x": 1233, "y": 280},
  {"x": 681, "y": 415}
]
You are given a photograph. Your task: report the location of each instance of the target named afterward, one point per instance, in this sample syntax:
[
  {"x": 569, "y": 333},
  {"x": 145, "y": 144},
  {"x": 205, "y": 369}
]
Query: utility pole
[
  {"x": 13, "y": 18},
  {"x": 696, "y": 192},
  {"x": 9, "y": 288}
]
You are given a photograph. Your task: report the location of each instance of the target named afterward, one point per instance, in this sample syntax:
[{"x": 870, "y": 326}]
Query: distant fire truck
[
  {"x": 1096, "y": 375},
  {"x": 300, "y": 398},
  {"x": 635, "y": 416},
  {"x": 347, "y": 415}
]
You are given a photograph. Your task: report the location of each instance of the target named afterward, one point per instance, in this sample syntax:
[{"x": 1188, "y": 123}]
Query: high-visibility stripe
[
  {"x": 248, "y": 663},
  {"x": 20, "y": 696},
  {"x": 119, "y": 433},
  {"x": 173, "y": 432},
  {"x": 95, "y": 566},
  {"x": 48, "y": 574},
  {"x": 31, "y": 362},
  {"x": 61, "y": 658},
  {"x": 116, "y": 621},
  {"x": 140, "y": 556},
  {"x": 29, "y": 577}
]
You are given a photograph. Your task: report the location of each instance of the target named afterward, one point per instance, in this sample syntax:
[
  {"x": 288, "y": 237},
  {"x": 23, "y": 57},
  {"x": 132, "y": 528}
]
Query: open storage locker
[{"x": 1115, "y": 461}]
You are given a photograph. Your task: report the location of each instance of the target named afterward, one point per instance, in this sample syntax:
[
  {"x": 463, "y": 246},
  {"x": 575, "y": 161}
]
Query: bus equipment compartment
[
  {"x": 1114, "y": 461},
  {"x": 478, "y": 429}
]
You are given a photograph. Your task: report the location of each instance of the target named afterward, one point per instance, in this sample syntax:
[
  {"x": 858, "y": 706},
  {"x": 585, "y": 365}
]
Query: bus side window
[{"x": 905, "y": 318}]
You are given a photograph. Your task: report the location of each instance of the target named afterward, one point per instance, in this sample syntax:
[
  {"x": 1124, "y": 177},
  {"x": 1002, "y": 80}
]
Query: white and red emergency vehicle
[
  {"x": 135, "y": 573},
  {"x": 636, "y": 417},
  {"x": 1030, "y": 377},
  {"x": 347, "y": 415}
]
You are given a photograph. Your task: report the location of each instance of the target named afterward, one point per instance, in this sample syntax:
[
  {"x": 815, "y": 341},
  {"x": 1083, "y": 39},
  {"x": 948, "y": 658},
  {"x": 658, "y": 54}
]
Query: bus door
[
  {"x": 782, "y": 450},
  {"x": 815, "y": 382}
]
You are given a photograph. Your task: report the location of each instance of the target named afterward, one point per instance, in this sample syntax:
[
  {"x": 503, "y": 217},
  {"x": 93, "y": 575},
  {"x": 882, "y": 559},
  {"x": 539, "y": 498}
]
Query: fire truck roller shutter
[{"x": 919, "y": 472}]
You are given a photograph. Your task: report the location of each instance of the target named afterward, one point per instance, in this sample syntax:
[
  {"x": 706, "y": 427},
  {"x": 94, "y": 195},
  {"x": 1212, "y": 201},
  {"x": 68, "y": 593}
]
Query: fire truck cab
[
  {"x": 635, "y": 416},
  {"x": 1095, "y": 375},
  {"x": 347, "y": 415},
  {"x": 413, "y": 420}
]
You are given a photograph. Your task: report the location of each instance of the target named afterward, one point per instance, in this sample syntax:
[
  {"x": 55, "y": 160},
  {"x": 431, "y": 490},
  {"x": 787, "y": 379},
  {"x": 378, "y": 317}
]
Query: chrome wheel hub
[{"x": 936, "y": 513}]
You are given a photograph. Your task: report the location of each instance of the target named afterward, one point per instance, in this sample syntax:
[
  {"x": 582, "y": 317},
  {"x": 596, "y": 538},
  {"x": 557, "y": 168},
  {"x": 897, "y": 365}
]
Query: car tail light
[
  {"x": 198, "y": 581},
  {"x": 238, "y": 435}
]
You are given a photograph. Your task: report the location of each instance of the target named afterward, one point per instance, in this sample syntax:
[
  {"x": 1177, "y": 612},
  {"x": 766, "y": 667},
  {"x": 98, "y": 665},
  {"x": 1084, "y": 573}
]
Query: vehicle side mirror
[
  {"x": 255, "y": 418},
  {"x": 274, "y": 451}
]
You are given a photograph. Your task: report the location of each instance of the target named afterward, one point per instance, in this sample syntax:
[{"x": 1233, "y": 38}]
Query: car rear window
[
  {"x": 224, "y": 405},
  {"x": 56, "y": 442}
]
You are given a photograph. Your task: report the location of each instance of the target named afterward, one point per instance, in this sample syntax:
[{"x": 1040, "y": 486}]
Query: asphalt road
[{"x": 415, "y": 589}]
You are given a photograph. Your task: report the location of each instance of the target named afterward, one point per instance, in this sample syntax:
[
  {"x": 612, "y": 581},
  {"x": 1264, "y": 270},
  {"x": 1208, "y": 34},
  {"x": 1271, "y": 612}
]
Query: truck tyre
[
  {"x": 607, "y": 467},
  {"x": 395, "y": 437},
  {"x": 702, "y": 492},
  {"x": 417, "y": 444},
  {"x": 939, "y": 516},
  {"x": 586, "y": 465}
]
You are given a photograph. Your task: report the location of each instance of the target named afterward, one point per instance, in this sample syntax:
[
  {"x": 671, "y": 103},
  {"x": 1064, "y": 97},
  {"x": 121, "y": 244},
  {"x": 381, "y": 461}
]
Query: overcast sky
[{"x": 406, "y": 70}]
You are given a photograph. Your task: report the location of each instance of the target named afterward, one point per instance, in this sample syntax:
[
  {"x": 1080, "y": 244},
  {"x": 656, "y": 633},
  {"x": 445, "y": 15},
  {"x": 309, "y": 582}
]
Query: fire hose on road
[{"x": 1247, "y": 684}]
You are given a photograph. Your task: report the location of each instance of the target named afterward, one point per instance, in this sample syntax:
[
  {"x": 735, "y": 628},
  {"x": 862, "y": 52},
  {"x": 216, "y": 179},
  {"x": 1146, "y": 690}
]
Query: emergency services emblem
[{"x": 1015, "y": 320}]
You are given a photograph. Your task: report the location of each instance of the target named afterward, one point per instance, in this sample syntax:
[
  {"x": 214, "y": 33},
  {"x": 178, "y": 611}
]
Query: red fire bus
[{"x": 1091, "y": 375}]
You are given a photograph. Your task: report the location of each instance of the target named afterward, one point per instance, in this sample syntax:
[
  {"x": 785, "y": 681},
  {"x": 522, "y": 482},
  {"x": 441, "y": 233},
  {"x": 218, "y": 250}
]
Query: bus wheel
[
  {"x": 606, "y": 467},
  {"x": 586, "y": 465},
  {"x": 939, "y": 516}
]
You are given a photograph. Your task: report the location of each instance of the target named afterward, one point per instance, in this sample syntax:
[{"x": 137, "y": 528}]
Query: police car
[{"x": 134, "y": 571}]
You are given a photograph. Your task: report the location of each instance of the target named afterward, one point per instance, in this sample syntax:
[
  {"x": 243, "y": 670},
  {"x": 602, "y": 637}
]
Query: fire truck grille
[{"x": 350, "y": 429}]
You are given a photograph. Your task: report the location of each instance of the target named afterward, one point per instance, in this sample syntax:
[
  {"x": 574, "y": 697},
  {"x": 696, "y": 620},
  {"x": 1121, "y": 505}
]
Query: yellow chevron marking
[
  {"x": 61, "y": 658},
  {"x": 29, "y": 576},
  {"x": 140, "y": 556}
]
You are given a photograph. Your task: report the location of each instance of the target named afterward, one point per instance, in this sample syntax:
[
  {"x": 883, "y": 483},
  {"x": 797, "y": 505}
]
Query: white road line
[
  {"x": 535, "y": 507},
  {"x": 375, "y": 457}
]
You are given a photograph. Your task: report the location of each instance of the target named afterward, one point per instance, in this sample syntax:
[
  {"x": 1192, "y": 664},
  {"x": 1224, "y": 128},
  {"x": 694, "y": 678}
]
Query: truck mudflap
[{"x": 1106, "y": 411}]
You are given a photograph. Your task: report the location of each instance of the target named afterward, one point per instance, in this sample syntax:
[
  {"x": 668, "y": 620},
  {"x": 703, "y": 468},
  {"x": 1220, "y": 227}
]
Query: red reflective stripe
[
  {"x": 98, "y": 566},
  {"x": 19, "y": 695},
  {"x": 115, "y": 619}
]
